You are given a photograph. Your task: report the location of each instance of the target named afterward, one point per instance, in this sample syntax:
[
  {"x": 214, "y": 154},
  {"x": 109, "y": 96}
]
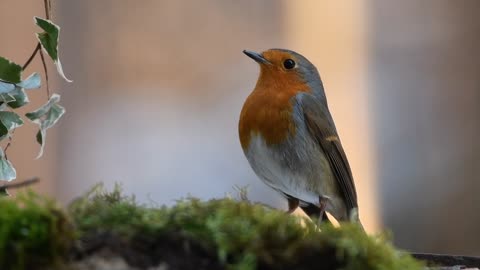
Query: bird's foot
[
  {"x": 292, "y": 205},
  {"x": 322, "y": 205}
]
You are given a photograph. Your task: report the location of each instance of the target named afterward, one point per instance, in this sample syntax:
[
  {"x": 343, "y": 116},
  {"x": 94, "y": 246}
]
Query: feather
[{"x": 322, "y": 129}]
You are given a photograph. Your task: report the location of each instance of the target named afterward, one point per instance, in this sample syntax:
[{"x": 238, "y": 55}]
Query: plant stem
[
  {"x": 46, "y": 73},
  {"x": 48, "y": 7},
  {"x": 10, "y": 137},
  {"x": 37, "y": 48}
]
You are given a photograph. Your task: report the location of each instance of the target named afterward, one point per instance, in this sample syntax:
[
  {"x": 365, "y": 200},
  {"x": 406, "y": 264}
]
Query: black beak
[{"x": 256, "y": 56}]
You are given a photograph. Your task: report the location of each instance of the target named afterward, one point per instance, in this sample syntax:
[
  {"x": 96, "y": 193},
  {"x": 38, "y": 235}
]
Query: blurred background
[{"x": 158, "y": 87}]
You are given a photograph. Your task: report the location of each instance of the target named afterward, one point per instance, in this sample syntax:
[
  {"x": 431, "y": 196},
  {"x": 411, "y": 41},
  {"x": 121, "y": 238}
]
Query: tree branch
[{"x": 28, "y": 182}]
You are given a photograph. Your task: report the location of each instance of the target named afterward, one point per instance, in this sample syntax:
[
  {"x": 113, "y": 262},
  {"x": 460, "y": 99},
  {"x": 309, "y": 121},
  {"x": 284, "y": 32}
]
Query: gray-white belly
[{"x": 297, "y": 168}]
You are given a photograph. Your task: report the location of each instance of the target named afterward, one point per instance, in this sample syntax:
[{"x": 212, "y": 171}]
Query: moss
[
  {"x": 34, "y": 233},
  {"x": 193, "y": 234},
  {"x": 241, "y": 235}
]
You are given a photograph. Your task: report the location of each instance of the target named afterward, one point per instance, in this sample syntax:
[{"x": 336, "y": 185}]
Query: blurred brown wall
[
  {"x": 426, "y": 91},
  {"x": 157, "y": 94}
]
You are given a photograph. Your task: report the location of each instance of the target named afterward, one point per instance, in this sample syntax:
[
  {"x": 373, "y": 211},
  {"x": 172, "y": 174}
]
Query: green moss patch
[
  {"x": 234, "y": 234},
  {"x": 34, "y": 232},
  {"x": 194, "y": 234}
]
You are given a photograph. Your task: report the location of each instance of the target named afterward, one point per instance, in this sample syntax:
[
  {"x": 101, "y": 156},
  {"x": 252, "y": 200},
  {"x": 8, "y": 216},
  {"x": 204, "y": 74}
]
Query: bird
[{"x": 290, "y": 140}]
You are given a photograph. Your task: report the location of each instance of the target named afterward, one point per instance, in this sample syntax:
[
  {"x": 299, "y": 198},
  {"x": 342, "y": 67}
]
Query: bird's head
[{"x": 285, "y": 66}]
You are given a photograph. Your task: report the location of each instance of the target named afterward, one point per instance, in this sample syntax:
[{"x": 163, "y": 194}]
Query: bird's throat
[{"x": 268, "y": 111}]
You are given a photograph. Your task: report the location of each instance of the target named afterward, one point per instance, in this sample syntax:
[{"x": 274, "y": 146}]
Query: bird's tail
[{"x": 353, "y": 217}]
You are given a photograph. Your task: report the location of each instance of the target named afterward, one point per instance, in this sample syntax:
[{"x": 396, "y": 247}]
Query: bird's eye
[{"x": 289, "y": 64}]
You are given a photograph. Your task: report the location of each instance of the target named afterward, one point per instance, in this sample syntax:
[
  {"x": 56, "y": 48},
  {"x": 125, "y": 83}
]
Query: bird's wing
[{"x": 322, "y": 129}]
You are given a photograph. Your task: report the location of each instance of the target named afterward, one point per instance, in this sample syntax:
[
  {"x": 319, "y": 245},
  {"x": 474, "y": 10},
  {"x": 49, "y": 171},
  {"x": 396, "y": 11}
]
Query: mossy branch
[{"x": 192, "y": 234}]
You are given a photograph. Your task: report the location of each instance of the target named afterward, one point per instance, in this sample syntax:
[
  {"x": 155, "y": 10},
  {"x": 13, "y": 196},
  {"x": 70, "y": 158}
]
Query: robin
[{"x": 290, "y": 139}]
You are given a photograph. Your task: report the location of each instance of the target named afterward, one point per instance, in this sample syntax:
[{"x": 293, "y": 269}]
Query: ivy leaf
[
  {"x": 46, "y": 117},
  {"x": 49, "y": 41},
  {"x": 10, "y": 74},
  {"x": 8, "y": 122},
  {"x": 7, "y": 97},
  {"x": 16, "y": 98},
  {"x": 10, "y": 77},
  {"x": 33, "y": 81},
  {"x": 6, "y": 87},
  {"x": 3, "y": 132},
  {"x": 9, "y": 71},
  {"x": 7, "y": 171}
]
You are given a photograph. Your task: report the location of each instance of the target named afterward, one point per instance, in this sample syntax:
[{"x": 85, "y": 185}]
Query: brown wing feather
[{"x": 321, "y": 128}]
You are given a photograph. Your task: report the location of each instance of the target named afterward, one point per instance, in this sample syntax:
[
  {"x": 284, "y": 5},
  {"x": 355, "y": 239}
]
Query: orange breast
[{"x": 268, "y": 109}]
